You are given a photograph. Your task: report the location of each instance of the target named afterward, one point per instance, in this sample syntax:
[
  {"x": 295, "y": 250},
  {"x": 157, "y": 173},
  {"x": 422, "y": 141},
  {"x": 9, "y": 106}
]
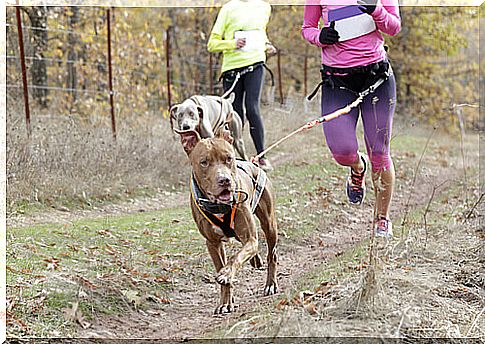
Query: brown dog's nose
[{"x": 223, "y": 181}]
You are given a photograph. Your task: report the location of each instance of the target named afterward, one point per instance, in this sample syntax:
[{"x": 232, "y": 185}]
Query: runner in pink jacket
[{"x": 354, "y": 58}]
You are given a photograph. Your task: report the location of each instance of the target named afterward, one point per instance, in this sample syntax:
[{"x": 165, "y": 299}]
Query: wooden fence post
[
  {"x": 167, "y": 57},
  {"x": 110, "y": 76},
  {"x": 24, "y": 69},
  {"x": 280, "y": 85}
]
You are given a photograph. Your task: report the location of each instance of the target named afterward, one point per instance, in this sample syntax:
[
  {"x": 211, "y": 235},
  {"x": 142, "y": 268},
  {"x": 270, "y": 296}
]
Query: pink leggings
[{"x": 377, "y": 112}]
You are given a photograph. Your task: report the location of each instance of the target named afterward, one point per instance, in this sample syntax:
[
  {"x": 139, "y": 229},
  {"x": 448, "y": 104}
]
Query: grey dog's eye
[{"x": 204, "y": 163}]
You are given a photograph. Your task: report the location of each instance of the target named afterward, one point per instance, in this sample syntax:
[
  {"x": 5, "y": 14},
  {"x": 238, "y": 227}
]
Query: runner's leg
[
  {"x": 377, "y": 116},
  {"x": 253, "y": 84}
]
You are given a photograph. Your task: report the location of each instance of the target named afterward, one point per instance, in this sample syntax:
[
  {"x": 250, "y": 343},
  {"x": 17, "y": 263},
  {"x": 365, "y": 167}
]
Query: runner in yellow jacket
[{"x": 240, "y": 34}]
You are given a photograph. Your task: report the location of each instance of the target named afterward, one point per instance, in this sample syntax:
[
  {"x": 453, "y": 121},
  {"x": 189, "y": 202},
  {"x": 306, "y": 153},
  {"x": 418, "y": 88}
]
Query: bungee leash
[
  {"x": 310, "y": 125},
  {"x": 326, "y": 118},
  {"x": 246, "y": 70}
]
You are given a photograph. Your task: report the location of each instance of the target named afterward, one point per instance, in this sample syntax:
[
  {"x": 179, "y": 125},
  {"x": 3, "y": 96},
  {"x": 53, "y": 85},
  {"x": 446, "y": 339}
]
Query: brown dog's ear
[
  {"x": 189, "y": 139},
  {"x": 173, "y": 110},
  {"x": 224, "y": 133}
]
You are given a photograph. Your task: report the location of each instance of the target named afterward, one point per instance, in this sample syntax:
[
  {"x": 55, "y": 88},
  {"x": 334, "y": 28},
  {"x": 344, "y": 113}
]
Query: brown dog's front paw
[
  {"x": 224, "y": 277},
  {"x": 270, "y": 288},
  {"x": 226, "y": 308}
]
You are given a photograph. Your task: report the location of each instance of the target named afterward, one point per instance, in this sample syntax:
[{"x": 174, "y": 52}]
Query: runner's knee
[
  {"x": 345, "y": 158},
  {"x": 380, "y": 162}
]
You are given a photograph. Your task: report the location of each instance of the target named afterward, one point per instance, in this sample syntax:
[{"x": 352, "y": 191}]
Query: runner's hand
[
  {"x": 240, "y": 43},
  {"x": 271, "y": 50},
  {"x": 367, "y": 6},
  {"x": 328, "y": 35}
]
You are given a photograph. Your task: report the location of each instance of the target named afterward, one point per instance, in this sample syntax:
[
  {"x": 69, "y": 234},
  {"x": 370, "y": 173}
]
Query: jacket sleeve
[
  {"x": 217, "y": 42},
  {"x": 310, "y": 30},
  {"x": 266, "y": 25},
  {"x": 387, "y": 18}
]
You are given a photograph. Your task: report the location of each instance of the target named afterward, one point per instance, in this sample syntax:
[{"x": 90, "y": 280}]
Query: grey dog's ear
[
  {"x": 224, "y": 133},
  {"x": 189, "y": 139},
  {"x": 173, "y": 111},
  {"x": 200, "y": 110},
  {"x": 230, "y": 117}
]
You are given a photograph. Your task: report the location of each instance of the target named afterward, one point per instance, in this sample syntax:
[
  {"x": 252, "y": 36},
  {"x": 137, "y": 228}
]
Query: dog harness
[{"x": 222, "y": 215}]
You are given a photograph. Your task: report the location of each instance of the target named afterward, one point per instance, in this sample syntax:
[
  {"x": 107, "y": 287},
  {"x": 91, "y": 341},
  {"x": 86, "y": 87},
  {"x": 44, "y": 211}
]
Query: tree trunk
[
  {"x": 72, "y": 54},
  {"x": 38, "y": 19}
]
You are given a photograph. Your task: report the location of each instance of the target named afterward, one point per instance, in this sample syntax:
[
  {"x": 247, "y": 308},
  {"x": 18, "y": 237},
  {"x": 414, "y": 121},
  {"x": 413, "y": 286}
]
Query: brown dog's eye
[
  {"x": 204, "y": 163},
  {"x": 229, "y": 160}
]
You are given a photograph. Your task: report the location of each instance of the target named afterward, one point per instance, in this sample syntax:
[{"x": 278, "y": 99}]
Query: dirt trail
[
  {"x": 189, "y": 315},
  {"x": 65, "y": 215}
]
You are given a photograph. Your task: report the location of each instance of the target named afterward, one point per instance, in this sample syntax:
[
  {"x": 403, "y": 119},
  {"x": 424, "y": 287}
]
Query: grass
[
  {"x": 342, "y": 270},
  {"x": 107, "y": 257},
  {"x": 115, "y": 264},
  {"x": 141, "y": 252}
]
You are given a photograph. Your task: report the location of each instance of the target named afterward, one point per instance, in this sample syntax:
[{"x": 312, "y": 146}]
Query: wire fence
[{"x": 73, "y": 74}]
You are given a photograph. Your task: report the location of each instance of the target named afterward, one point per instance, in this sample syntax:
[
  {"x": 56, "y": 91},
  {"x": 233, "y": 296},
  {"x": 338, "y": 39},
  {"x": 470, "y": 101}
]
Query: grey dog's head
[{"x": 186, "y": 116}]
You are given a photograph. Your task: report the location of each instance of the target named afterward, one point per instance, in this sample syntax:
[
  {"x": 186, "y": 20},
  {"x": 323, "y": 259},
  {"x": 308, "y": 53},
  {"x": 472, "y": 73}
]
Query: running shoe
[
  {"x": 356, "y": 185},
  {"x": 383, "y": 227},
  {"x": 265, "y": 164}
]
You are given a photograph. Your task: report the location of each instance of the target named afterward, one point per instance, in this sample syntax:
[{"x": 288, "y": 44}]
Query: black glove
[
  {"x": 367, "y": 6},
  {"x": 328, "y": 35}
]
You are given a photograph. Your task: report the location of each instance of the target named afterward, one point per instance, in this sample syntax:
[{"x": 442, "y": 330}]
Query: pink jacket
[{"x": 359, "y": 51}]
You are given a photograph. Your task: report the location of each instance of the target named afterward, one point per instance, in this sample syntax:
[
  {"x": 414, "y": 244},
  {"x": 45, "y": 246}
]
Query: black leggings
[{"x": 248, "y": 89}]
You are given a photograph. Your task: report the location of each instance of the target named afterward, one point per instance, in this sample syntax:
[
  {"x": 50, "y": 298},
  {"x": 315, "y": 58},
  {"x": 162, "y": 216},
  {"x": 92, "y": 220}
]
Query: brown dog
[{"x": 224, "y": 195}]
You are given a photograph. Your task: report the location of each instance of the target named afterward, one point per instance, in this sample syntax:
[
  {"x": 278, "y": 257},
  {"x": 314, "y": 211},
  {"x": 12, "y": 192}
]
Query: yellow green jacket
[{"x": 239, "y": 15}]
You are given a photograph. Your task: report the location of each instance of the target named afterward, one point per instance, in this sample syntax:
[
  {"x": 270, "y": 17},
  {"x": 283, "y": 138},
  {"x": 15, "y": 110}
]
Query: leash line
[
  {"x": 311, "y": 124},
  {"x": 238, "y": 75},
  {"x": 326, "y": 118}
]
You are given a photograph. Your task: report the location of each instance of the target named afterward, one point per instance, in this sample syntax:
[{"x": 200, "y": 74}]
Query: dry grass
[{"x": 69, "y": 161}]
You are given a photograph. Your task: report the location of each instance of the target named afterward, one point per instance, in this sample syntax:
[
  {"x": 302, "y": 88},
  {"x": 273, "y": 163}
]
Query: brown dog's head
[{"x": 213, "y": 162}]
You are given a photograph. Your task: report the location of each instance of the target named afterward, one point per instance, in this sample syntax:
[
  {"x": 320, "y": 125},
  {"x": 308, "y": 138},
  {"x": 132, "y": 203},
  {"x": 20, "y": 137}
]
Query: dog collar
[
  {"x": 205, "y": 204},
  {"x": 212, "y": 211},
  {"x": 221, "y": 214}
]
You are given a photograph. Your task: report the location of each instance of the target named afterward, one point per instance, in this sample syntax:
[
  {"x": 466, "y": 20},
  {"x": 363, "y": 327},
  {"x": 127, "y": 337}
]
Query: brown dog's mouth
[{"x": 225, "y": 196}]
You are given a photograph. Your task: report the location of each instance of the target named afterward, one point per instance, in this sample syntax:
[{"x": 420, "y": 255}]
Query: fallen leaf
[
  {"x": 85, "y": 282},
  {"x": 164, "y": 279},
  {"x": 311, "y": 308},
  {"x": 104, "y": 232},
  {"x": 111, "y": 250},
  {"x": 52, "y": 263},
  {"x": 157, "y": 298}
]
